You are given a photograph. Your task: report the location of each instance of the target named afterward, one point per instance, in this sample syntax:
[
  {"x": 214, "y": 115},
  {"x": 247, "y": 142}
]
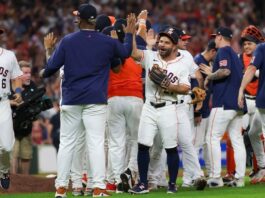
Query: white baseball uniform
[
  {"x": 164, "y": 120},
  {"x": 9, "y": 69},
  {"x": 191, "y": 163}
]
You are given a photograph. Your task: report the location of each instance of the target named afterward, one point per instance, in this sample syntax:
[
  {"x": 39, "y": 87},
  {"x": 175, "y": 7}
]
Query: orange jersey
[
  {"x": 128, "y": 82},
  {"x": 252, "y": 87}
]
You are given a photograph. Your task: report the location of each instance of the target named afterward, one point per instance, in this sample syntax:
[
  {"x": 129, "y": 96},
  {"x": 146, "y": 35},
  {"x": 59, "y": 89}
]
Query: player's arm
[
  {"x": 199, "y": 78},
  {"x": 248, "y": 76},
  {"x": 49, "y": 44},
  {"x": 183, "y": 86},
  {"x": 137, "y": 54},
  {"x": 55, "y": 62},
  {"x": 219, "y": 74},
  {"x": 17, "y": 88},
  {"x": 179, "y": 88}
]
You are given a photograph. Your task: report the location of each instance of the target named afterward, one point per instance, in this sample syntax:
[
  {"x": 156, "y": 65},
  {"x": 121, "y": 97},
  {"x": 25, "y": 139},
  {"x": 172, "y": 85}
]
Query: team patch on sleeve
[{"x": 223, "y": 63}]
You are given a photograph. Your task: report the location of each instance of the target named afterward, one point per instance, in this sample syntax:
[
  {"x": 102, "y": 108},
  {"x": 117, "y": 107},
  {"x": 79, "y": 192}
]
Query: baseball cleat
[
  {"x": 97, "y": 192},
  {"x": 171, "y": 188},
  {"x": 60, "y": 192},
  {"x": 228, "y": 178},
  {"x": 237, "y": 183},
  {"x": 258, "y": 177},
  {"x": 126, "y": 180},
  {"x": 5, "y": 181},
  {"x": 200, "y": 183},
  {"x": 215, "y": 182},
  {"x": 139, "y": 188}
]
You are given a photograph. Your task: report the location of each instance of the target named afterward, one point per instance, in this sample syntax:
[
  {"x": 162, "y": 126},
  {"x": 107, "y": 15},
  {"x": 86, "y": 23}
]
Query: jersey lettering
[{"x": 3, "y": 71}]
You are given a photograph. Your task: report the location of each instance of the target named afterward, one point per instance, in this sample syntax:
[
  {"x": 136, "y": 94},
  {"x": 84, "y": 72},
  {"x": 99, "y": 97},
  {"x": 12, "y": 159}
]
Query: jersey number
[{"x": 3, "y": 83}]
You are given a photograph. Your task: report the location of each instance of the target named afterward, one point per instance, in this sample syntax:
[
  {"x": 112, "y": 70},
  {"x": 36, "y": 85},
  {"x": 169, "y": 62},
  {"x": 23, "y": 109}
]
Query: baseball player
[
  {"x": 192, "y": 170},
  {"x": 257, "y": 62},
  {"x": 80, "y": 161},
  {"x": 125, "y": 101},
  {"x": 84, "y": 92},
  {"x": 9, "y": 70},
  {"x": 201, "y": 118},
  {"x": 250, "y": 37},
  {"x": 162, "y": 113},
  {"x": 225, "y": 114}
]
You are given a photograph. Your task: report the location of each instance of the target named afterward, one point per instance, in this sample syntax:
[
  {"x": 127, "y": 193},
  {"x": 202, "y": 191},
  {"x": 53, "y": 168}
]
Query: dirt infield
[{"x": 28, "y": 183}]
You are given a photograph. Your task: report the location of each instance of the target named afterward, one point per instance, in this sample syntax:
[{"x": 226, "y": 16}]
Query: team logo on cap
[{"x": 170, "y": 31}]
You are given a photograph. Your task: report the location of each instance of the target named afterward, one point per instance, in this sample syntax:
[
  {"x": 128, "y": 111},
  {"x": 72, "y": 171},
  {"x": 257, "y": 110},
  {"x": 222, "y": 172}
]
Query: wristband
[
  {"x": 142, "y": 21},
  {"x": 18, "y": 90}
]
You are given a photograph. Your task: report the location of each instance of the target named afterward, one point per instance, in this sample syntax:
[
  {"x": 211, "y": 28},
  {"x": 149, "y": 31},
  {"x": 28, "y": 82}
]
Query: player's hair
[{"x": 24, "y": 63}]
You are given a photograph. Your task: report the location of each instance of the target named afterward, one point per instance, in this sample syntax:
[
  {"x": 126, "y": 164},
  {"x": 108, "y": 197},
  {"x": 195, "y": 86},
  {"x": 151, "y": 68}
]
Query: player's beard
[{"x": 163, "y": 52}]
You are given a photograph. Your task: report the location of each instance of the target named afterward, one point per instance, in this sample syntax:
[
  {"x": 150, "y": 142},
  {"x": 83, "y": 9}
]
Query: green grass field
[{"x": 249, "y": 191}]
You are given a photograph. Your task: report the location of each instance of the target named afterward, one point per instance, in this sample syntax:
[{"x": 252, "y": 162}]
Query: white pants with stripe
[
  {"x": 7, "y": 137},
  {"x": 220, "y": 121},
  {"x": 73, "y": 118},
  {"x": 255, "y": 131},
  {"x": 199, "y": 141}
]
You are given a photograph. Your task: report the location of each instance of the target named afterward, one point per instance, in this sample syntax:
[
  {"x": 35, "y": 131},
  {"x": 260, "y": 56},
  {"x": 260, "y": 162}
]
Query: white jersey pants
[
  {"x": 73, "y": 118},
  {"x": 200, "y": 140},
  {"x": 220, "y": 121},
  {"x": 191, "y": 165},
  {"x": 123, "y": 121},
  {"x": 7, "y": 137},
  {"x": 254, "y": 135}
]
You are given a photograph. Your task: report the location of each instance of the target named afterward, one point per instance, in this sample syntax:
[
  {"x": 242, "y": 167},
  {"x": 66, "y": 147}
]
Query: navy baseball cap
[
  {"x": 182, "y": 34},
  {"x": 102, "y": 21},
  {"x": 86, "y": 11},
  {"x": 118, "y": 26},
  {"x": 211, "y": 45},
  {"x": 171, "y": 33},
  {"x": 107, "y": 30},
  {"x": 223, "y": 31}
]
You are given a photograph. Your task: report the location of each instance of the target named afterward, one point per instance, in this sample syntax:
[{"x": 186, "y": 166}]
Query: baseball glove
[
  {"x": 199, "y": 96},
  {"x": 159, "y": 76}
]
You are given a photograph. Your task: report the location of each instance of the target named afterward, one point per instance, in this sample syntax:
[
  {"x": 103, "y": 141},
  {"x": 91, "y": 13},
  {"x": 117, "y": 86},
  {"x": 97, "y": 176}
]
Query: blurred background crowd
[{"x": 27, "y": 22}]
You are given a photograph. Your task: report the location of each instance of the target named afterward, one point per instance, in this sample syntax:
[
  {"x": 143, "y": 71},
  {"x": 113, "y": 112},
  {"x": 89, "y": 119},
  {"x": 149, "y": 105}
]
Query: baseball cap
[
  {"x": 223, "y": 31},
  {"x": 171, "y": 33},
  {"x": 118, "y": 26},
  {"x": 86, "y": 11},
  {"x": 102, "y": 21},
  {"x": 107, "y": 30},
  {"x": 211, "y": 45},
  {"x": 182, "y": 34}
]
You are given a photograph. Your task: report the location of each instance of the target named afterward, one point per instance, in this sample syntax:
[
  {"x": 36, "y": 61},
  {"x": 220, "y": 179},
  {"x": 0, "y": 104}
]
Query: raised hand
[
  {"x": 205, "y": 69},
  {"x": 50, "y": 41},
  {"x": 143, "y": 15},
  {"x": 131, "y": 24}
]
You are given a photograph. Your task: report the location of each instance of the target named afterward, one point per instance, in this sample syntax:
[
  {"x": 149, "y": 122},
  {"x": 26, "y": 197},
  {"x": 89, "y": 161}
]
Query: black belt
[
  {"x": 250, "y": 97},
  {"x": 159, "y": 105}
]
